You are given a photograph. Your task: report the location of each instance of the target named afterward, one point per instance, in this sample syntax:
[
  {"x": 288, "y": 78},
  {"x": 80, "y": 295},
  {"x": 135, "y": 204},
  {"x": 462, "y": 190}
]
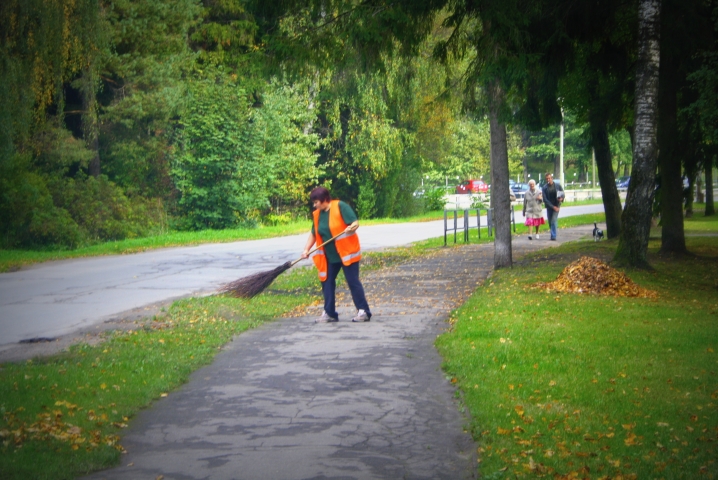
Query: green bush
[
  {"x": 366, "y": 201},
  {"x": 434, "y": 199},
  {"x": 273, "y": 219},
  {"x": 101, "y": 209},
  {"x": 48, "y": 209},
  {"x": 216, "y": 164}
]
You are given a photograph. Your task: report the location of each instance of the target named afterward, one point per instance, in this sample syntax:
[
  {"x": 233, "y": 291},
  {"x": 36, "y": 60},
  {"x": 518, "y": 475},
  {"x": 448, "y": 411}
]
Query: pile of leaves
[{"x": 590, "y": 275}]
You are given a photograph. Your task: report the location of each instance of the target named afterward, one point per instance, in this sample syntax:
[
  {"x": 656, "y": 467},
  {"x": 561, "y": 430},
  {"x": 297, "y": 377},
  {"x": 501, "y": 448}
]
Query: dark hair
[{"x": 321, "y": 194}]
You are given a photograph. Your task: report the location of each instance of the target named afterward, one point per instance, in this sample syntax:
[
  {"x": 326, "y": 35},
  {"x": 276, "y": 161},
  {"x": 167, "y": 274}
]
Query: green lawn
[{"x": 583, "y": 386}]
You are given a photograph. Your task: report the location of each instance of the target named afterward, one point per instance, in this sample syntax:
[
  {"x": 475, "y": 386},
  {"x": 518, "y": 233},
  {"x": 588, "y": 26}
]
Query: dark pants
[
  {"x": 552, "y": 221},
  {"x": 351, "y": 274}
]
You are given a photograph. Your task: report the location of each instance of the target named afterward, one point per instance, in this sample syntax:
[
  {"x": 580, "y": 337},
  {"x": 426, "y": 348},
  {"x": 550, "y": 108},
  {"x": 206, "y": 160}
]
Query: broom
[{"x": 248, "y": 287}]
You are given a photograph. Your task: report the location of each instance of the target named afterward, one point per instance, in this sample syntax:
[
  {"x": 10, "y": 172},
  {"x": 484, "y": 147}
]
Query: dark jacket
[{"x": 550, "y": 198}]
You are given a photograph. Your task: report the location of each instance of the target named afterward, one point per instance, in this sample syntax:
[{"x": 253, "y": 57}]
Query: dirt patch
[{"x": 590, "y": 275}]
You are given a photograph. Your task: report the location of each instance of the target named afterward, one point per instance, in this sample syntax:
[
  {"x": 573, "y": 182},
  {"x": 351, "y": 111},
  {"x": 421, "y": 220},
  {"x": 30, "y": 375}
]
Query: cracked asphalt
[{"x": 297, "y": 400}]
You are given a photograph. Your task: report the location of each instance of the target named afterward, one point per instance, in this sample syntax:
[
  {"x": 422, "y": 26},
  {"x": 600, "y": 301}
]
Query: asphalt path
[{"x": 53, "y": 299}]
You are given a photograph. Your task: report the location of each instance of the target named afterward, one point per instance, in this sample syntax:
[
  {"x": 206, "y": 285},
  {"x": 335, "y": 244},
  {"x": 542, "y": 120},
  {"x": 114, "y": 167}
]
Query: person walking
[
  {"x": 532, "y": 208},
  {"x": 553, "y": 195},
  {"x": 332, "y": 217}
]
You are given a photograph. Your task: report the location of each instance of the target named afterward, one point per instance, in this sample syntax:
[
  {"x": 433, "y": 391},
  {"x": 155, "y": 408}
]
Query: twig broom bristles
[{"x": 252, "y": 285}]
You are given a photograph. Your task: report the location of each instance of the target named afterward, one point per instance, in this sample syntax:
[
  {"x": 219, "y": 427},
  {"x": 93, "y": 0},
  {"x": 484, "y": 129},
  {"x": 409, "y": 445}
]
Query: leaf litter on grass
[{"x": 590, "y": 275}]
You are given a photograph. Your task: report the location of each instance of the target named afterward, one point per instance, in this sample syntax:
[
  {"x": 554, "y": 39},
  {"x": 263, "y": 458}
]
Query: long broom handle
[{"x": 317, "y": 248}]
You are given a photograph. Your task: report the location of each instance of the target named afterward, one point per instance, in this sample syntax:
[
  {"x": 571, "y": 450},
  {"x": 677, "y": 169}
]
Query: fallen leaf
[{"x": 590, "y": 275}]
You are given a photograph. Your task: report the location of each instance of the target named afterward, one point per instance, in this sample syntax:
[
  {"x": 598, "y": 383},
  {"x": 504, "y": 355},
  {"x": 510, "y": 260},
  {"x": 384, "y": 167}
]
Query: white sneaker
[
  {"x": 537, "y": 237},
  {"x": 325, "y": 318},
  {"x": 361, "y": 316}
]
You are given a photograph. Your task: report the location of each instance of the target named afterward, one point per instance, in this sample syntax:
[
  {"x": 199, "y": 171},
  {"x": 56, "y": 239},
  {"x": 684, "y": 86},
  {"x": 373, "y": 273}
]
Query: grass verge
[
  {"x": 583, "y": 386},
  {"x": 11, "y": 260},
  {"x": 62, "y": 416}
]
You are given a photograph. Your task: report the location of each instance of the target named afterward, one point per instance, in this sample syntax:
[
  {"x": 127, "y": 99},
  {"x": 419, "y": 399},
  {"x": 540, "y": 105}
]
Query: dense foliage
[{"x": 121, "y": 118}]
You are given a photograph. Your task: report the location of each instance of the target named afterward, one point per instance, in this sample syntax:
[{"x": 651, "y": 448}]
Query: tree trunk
[
  {"x": 606, "y": 177},
  {"x": 636, "y": 219},
  {"x": 710, "y": 208},
  {"x": 688, "y": 197},
  {"x": 500, "y": 194},
  {"x": 90, "y": 120},
  {"x": 669, "y": 159}
]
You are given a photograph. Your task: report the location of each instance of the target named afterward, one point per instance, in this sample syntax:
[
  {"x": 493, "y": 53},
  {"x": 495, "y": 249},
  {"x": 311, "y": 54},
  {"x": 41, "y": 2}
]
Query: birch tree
[{"x": 636, "y": 220}]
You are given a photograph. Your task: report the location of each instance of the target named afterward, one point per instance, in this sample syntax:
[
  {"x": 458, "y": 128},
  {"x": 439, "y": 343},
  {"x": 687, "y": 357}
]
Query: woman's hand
[
  {"x": 352, "y": 228},
  {"x": 308, "y": 246}
]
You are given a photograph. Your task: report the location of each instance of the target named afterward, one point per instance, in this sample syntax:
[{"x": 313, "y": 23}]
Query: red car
[{"x": 472, "y": 186}]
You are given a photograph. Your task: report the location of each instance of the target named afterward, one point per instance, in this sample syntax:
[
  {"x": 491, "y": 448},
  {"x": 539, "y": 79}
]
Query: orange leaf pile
[{"x": 590, "y": 275}]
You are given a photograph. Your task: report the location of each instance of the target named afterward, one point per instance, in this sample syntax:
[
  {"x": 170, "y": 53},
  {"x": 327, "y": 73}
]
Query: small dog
[{"x": 597, "y": 233}]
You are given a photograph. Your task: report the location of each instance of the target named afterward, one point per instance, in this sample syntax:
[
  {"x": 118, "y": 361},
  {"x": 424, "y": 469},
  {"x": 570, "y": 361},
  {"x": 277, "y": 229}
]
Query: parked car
[
  {"x": 519, "y": 190},
  {"x": 623, "y": 182},
  {"x": 472, "y": 186}
]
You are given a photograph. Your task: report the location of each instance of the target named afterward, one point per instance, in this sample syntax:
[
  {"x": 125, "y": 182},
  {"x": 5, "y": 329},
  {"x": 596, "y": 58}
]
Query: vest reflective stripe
[
  {"x": 320, "y": 261},
  {"x": 347, "y": 260},
  {"x": 347, "y": 246}
]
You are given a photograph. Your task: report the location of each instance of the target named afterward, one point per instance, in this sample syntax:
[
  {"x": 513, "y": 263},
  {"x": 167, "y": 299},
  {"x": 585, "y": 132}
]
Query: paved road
[{"x": 58, "y": 298}]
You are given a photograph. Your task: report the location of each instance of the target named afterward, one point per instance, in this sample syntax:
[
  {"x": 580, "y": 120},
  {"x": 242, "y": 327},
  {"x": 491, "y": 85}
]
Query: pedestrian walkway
[{"x": 297, "y": 400}]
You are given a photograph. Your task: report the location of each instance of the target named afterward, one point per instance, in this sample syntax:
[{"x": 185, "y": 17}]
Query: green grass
[
  {"x": 700, "y": 223},
  {"x": 62, "y": 416},
  {"x": 563, "y": 385},
  {"x": 13, "y": 259}
]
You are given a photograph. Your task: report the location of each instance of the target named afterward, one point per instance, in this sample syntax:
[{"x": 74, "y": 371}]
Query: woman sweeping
[
  {"x": 533, "y": 211},
  {"x": 332, "y": 217}
]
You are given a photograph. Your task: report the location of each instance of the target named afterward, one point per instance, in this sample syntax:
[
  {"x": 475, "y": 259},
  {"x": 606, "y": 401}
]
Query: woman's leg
[
  {"x": 351, "y": 273},
  {"x": 329, "y": 287}
]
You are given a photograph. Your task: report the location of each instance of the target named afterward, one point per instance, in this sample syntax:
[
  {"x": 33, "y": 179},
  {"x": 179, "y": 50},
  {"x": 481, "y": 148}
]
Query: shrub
[
  {"x": 274, "y": 219},
  {"x": 366, "y": 201},
  {"x": 434, "y": 199},
  {"x": 217, "y": 165}
]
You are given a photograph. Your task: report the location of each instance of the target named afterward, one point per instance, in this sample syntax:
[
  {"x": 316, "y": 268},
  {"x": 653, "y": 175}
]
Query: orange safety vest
[{"x": 347, "y": 245}]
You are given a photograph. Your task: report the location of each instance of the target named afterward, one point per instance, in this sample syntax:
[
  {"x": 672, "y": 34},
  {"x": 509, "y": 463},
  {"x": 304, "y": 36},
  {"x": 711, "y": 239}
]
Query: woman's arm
[
  {"x": 308, "y": 246},
  {"x": 352, "y": 227}
]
